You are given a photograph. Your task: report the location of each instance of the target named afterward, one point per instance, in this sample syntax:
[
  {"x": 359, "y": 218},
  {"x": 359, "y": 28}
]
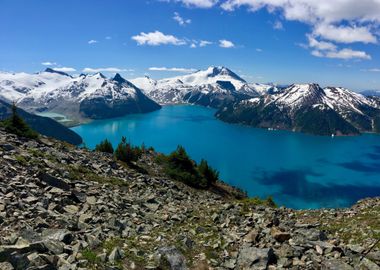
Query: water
[{"x": 298, "y": 170}]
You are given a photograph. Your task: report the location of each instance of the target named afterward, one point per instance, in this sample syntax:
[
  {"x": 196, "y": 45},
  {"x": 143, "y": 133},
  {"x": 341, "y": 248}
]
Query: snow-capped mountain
[
  {"x": 215, "y": 86},
  {"x": 371, "y": 93},
  {"x": 85, "y": 96},
  {"x": 308, "y": 108}
]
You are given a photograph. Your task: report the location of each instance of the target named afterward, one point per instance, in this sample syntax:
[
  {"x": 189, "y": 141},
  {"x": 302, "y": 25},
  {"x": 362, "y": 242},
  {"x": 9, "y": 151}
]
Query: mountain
[
  {"x": 373, "y": 93},
  {"x": 43, "y": 125},
  {"x": 308, "y": 108},
  {"x": 79, "y": 98},
  {"x": 215, "y": 87}
]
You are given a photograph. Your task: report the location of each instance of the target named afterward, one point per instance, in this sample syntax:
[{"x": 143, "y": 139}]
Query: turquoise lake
[{"x": 299, "y": 171}]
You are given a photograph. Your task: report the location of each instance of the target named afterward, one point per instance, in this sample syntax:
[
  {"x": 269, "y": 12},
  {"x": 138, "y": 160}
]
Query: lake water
[{"x": 298, "y": 170}]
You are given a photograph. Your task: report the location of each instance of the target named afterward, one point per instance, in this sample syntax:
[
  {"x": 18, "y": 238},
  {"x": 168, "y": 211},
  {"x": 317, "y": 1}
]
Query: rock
[
  {"x": 171, "y": 258},
  {"x": 255, "y": 258},
  {"x": 116, "y": 254},
  {"x": 334, "y": 264},
  {"x": 71, "y": 209},
  {"x": 280, "y": 236},
  {"x": 6, "y": 266},
  {"x": 368, "y": 265},
  {"x": 53, "y": 181},
  {"x": 252, "y": 237},
  {"x": 7, "y": 147}
]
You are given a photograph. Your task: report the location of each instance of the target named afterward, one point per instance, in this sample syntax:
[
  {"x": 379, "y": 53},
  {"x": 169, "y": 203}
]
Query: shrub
[
  {"x": 104, "y": 146},
  {"x": 211, "y": 175},
  {"x": 16, "y": 125},
  {"x": 179, "y": 166},
  {"x": 126, "y": 152}
]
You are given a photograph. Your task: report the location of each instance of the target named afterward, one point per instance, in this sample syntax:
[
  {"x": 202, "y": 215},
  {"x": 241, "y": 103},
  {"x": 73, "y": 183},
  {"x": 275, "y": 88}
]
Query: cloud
[
  {"x": 321, "y": 45},
  {"x": 204, "y": 43},
  {"x": 92, "y": 41},
  {"x": 65, "y": 69},
  {"x": 342, "y": 54},
  {"x": 193, "y": 45},
  {"x": 195, "y": 3},
  {"x": 223, "y": 43},
  {"x": 182, "y": 70},
  {"x": 259, "y": 50},
  {"x": 330, "y": 50},
  {"x": 107, "y": 69},
  {"x": 157, "y": 38},
  {"x": 278, "y": 25},
  {"x": 108, "y": 37},
  {"x": 345, "y": 34},
  {"x": 373, "y": 70},
  {"x": 48, "y": 63},
  {"x": 181, "y": 21},
  {"x": 343, "y": 21}
]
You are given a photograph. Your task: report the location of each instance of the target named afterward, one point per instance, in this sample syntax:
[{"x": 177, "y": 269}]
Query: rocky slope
[
  {"x": 43, "y": 125},
  {"x": 214, "y": 87},
  {"x": 308, "y": 108},
  {"x": 77, "y": 98},
  {"x": 67, "y": 208}
]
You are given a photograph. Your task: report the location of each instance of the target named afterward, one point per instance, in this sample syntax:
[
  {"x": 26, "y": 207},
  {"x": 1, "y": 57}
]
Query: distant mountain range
[
  {"x": 299, "y": 107},
  {"x": 214, "y": 87},
  {"x": 308, "y": 108},
  {"x": 78, "y": 98}
]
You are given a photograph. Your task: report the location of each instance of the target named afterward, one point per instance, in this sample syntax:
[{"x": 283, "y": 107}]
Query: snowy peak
[{"x": 50, "y": 70}]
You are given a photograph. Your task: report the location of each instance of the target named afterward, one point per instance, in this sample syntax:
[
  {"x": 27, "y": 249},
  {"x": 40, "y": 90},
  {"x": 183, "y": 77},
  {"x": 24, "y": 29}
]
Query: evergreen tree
[
  {"x": 126, "y": 152},
  {"x": 211, "y": 175},
  {"x": 16, "y": 125},
  {"x": 104, "y": 146}
]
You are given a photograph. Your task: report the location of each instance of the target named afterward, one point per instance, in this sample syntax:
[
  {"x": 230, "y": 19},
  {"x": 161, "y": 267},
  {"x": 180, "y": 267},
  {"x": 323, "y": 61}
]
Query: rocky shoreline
[{"x": 67, "y": 208}]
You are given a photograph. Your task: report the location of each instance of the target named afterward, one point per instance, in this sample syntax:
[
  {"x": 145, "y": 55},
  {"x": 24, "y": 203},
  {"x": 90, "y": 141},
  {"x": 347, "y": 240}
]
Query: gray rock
[
  {"x": 6, "y": 266},
  {"x": 334, "y": 264},
  {"x": 255, "y": 258},
  {"x": 53, "y": 181},
  {"x": 171, "y": 258},
  {"x": 116, "y": 254}
]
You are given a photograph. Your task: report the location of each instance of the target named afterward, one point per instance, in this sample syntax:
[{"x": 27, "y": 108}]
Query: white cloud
[
  {"x": 65, "y": 69},
  {"x": 92, "y": 41},
  {"x": 344, "y": 21},
  {"x": 157, "y": 38},
  {"x": 259, "y": 50},
  {"x": 108, "y": 37},
  {"x": 180, "y": 20},
  {"x": 345, "y": 34},
  {"x": 330, "y": 50},
  {"x": 193, "y": 45},
  {"x": 345, "y": 54},
  {"x": 204, "y": 43},
  {"x": 182, "y": 70},
  {"x": 373, "y": 70},
  {"x": 195, "y": 3},
  {"x": 278, "y": 25},
  {"x": 321, "y": 45},
  {"x": 223, "y": 43},
  {"x": 107, "y": 69},
  {"x": 48, "y": 63}
]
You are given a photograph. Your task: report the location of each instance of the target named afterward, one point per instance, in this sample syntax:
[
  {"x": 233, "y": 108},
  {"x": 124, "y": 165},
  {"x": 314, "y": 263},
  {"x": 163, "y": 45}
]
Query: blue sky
[{"x": 283, "y": 41}]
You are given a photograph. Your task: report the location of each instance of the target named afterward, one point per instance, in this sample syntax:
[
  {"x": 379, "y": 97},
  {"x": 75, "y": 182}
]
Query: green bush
[
  {"x": 16, "y": 125},
  {"x": 126, "y": 152},
  {"x": 211, "y": 175},
  {"x": 104, "y": 146},
  {"x": 180, "y": 167}
]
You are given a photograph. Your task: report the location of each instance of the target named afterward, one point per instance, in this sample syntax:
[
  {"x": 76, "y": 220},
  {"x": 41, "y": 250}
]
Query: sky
[{"x": 333, "y": 43}]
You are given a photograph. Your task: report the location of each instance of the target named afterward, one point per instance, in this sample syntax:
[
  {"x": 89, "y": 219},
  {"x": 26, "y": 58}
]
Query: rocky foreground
[{"x": 67, "y": 208}]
